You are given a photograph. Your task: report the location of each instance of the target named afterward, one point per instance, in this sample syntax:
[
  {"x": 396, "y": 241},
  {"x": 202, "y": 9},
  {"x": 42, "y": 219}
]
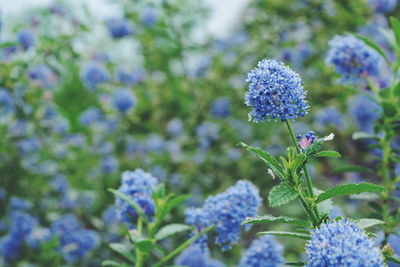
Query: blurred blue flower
[
  {"x": 263, "y": 252},
  {"x": 137, "y": 185},
  {"x": 109, "y": 215},
  {"x": 17, "y": 203},
  {"x": 28, "y": 145},
  {"x": 221, "y": 107},
  {"x": 42, "y": 76},
  {"x": 149, "y": 16},
  {"x": 129, "y": 78},
  {"x": 194, "y": 256},
  {"x": 342, "y": 243},
  {"x": 10, "y": 247},
  {"x": 352, "y": 58},
  {"x": 275, "y": 92},
  {"x": 109, "y": 164},
  {"x": 59, "y": 184},
  {"x": 365, "y": 112},
  {"x": 26, "y": 39},
  {"x": 123, "y": 100},
  {"x": 93, "y": 74},
  {"x": 7, "y": 105},
  {"x": 382, "y": 6},
  {"x": 227, "y": 211},
  {"x": 207, "y": 132},
  {"x": 38, "y": 236},
  {"x": 119, "y": 27},
  {"x": 330, "y": 116},
  {"x": 90, "y": 116},
  {"x": 175, "y": 127}
]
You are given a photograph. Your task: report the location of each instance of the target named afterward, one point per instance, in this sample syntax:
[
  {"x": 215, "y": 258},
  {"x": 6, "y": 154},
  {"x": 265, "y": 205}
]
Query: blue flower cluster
[
  {"x": 93, "y": 74},
  {"x": 221, "y": 107},
  {"x": 75, "y": 241},
  {"x": 123, "y": 100},
  {"x": 7, "y": 105},
  {"x": 263, "y": 252},
  {"x": 42, "y": 76},
  {"x": 26, "y": 39},
  {"x": 227, "y": 211},
  {"x": 342, "y": 243},
  {"x": 119, "y": 27},
  {"x": 352, "y": 58},
  {"x": 149, "y": 16},
  {"x": 330, "y": 116},
  {"x": 365, "y": 112},
  {"x": 382, "y": 6},
  {"x": 306, "y": 140},
  {"x": 194, "y": 256},
  {"x": 138, "y": 185},
  {"x": 275, "y": 92}
]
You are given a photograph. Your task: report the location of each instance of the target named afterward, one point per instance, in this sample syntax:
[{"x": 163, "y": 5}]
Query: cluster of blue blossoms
[
  {"x": 263, "y": 252},
  {"x": 306, "y": 140},
  {"x": 382, "y": 6},
  {"x": 275, "y": 92},
  {"x": 194, "y": 256},
  {"x": 342, "y": 243},
  {"x": 352, "y": 58},
  {"x": 120, "y": 27},
  {"x": 123, "y": 100},
  {"x": 93, "y": 74},
  {"x": 365, "y": 112},
  {"x": 226, "y": 211},
  {"x": 137, "y": 185}
]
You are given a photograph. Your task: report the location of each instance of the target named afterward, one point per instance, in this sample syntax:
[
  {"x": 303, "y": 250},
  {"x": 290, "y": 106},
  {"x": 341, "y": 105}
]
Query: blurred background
[{"x": 92, "y": 88}]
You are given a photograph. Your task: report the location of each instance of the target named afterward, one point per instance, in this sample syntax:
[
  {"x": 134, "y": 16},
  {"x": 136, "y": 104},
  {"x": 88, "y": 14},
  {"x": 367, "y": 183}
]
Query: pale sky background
[{"x": 223, "y": 17}]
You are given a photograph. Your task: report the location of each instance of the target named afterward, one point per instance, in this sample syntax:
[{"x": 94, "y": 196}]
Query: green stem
[
  {"x": 305, "y": 170},
  {"x": 311, "y": 215},
  {"x": 139, "y": 255},
  {"x": 182, "y": 247}
]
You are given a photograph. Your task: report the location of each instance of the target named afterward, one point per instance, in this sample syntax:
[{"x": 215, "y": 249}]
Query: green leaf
[
  {"x": 325, "y": 207},
  {"x": 281, "y": 219},
  {"x": 348, "y": 189},
  {"x": 110, "y": 263},
  {"x": 396, "y": 29},
  {"x": 268, "y": 159},
  {"x": 328, "y": 153},
  {"x": 138, "y": 209},
  {"x": 123, "y": 250},
  {"x": 392, "y": 259},
  {"x": 389, "y": 109},
  {"x": 281, "y": 195},
  {"x": 374, "y": 46},
  {"x": 144, "y": 245},
  {"x": 367, "y": 223},
  {"x": 171, "y": 229},
  {"x": 350, "y": 168},
  {"x": 289, "y": 234},
  {"x": 362, "y": 135},
  {"x": 312, "y": 150}
]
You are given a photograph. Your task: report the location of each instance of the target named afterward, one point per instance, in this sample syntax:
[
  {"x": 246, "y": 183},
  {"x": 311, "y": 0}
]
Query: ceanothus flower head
[
  {"x": 10, "y": 248},
  {"x": 263, "y": 252},
  {"x": 175, "y": 127},
  {"x": 119, "y": 27},
  {"x": 352, "y": 58},
  {"x": 382, "y": 6},
  {"x": 129, "y": 78},
  {"x": 227, "y": 211},
  {"x": 94, "y": 74},
  {"x": 330, "y": 116},
  {"x": 221, "y": 107},
  {"x": 42, "y": 75},
  {"x": 342, "y": 243},
  {"x": 365, "y": 112},
  {"x": 195, "y": 256},
  {"x": 123, "y": 100},
  {"x": 109, "y": 164},
  {"x": 90, "y": 116},
  {"x": 138, "y": 185},
  {"x": 275, "y": 92},
  {"x": 306, "y": 140},
  {"x": 26, "y": 39},
  {"x": 7, "y": 105},
  {"x": 149, "y": 16}
]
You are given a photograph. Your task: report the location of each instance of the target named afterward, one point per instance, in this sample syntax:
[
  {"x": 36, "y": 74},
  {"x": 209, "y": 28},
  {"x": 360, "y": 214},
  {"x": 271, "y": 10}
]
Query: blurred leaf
[
  {"x": 144, "y": 245},
  {"x": 389, "y": 109},
  {"x": 373, "y": 46},
  {"x": 328, "y": 153},
  {"x": 171, "y": 229},
  {"x": 350, "y": 168},
  {"x": 299, "y": 263},
  {"x": 111, "y": 263},
  {"x": 123, "y": 250},
  {"x": 268, "y": 159},
  {"x": 312, "y": 150},
  {"x": 348, "y": 189},
  {"x": 392, "y": 259},
  {"x": 281, "y": 195},
  {"x": 362, "y": 135},
  {"x": 395, "y": 23},
  {"x": 281, "y": 219},
  {"x": 171, "y": 204},
  {"x": 325, "y": 207},
  {"x": 366, "y": 222},
  {"x": 289, "y": 234}
]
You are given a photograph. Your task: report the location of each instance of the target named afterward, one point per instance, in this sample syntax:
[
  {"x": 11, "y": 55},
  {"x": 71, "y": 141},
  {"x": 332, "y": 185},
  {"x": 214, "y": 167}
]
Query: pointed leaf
[
  {"x": 144, "y": 245},
  {"x": 325, "y": 207},
  {"x": 110, "y": 263},
  {"x": 362, "y": 135},
  {"x": 173, "y": 203},
  {"x": 281, "y": 195},
  {"x": 374, "y": 46},
  {"x": 349, "y": 189},
  {"x": 328, "y": 153},
  {"x": 281, "y": 219},
  {"x": 290, "y": 234},
  {"x": 171, "y": 229},
  {"x": 123, "y": 250},
  {"x": 395, "y": 23},
  {"x": 366, "y": 222},
  {"x": 392, "y": 259}
]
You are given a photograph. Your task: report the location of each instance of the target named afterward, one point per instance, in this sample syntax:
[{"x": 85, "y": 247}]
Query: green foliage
[
  {"x": 288, "y": 234},
  {"x": 348, "y": 189},
  {"x": 281, "y": 195},
  {"x": 281, "y": 219}
]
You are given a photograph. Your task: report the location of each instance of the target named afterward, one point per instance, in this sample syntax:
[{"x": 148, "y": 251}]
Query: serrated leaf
[
  {"x": 281, "y": 219},
  {"x": 362, "y": 135},
  {"x": 366, "y": 222},
  {"x": 110, "y": 263},
  {"x": 312, "y": 150},
  {"x": 328, "y": 153},
  {"x": 144, "y": 245},
  {"x": 268, "y": 159},
  {"x": 350, "y": 168},
  {"x": 373, "y": 46},
  {"x": 138, "y": 209},
  {"x": 365, "y": 196},
  {"x": 171, "y": 229},
  {"x": 348, "y": 189},
  {"x": 289, "y": 234},
  {"x": 123, "y": 250},
  {"x": 281, "y": 195}
]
